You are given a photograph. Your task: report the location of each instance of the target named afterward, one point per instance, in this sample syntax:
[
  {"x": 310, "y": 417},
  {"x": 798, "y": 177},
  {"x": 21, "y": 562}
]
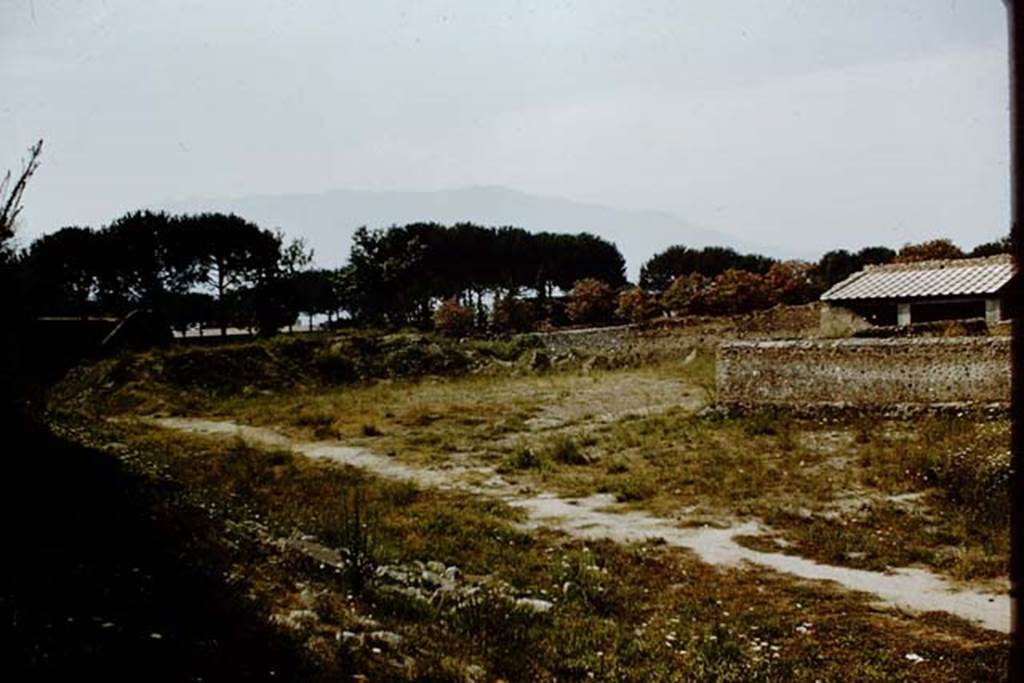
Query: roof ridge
[{"x": 967, "y": 262}]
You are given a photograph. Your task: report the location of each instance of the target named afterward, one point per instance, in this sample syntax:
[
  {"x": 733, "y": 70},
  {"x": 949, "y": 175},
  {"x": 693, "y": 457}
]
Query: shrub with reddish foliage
[
  {"x": 453, "y": 319},
  {"x": 511, "y": 314},
  {"x": 929, "y": 251},
  {"x": 737, "y": 291},
  {"x": 637, "y": 306},
  {"x": 686, "y": 294},
  {"x": 791, "y": 282},
  {"x": 591, "y": 301}
]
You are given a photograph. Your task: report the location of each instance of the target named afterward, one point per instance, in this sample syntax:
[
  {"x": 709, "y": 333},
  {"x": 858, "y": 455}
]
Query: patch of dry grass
[
  {"x": 824, "y": 488},
  {"x": 639, "y": 613},
  {"x": 417, "y": 419},
  {"x": 934, "y": 494}
]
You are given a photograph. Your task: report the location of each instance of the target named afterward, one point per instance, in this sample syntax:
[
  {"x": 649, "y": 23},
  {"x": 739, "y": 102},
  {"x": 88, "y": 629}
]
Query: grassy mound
[{"x": 180, "y": 377}]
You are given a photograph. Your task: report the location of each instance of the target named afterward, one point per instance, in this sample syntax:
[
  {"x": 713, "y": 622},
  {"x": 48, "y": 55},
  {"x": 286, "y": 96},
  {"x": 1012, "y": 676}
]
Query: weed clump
[
  {"x": 370, "y": 429},
  {"x": 523, "y": 458},
  {"x": 767, "y": 422},
  {"x": 501, "y": 630},
  {"x": 617, "y": 466},
  {"x": 582, "y": 579},
  {"x": 975, "y": 479},
  {"x": 356, "y": 544},
  {"x": 334, "y": 366},
  {"x": 566, "y": 450},
  {"x": 633, "y": 489},
  {"x": 720, "y": 655},
  {"x": 864, "y": 429},
  {"x": 777, "y": 423},
  {"x": 969, "y": 464},
  {"x": 319, "y": 420}
]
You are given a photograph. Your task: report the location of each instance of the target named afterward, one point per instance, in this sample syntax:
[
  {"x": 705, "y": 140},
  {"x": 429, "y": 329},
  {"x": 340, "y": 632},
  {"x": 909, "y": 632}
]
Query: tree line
[
  {"x": 210, "y": 269},
  {"x": 658, "y": 273},
  {"x": 220, "y": 270},
  {"x": 719, "y": 280},
  {"x": 400, "y": 275}
]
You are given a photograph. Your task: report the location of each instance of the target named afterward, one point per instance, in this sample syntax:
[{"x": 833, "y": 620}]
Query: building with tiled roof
[{"x": 902, "y": 293}]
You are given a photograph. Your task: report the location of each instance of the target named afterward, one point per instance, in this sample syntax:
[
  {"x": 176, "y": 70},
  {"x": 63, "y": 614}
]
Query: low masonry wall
[
  {"x": 866, "y": 373},
  {"x": 609, "y": 340},
  {"x": 677, "y": 337}
]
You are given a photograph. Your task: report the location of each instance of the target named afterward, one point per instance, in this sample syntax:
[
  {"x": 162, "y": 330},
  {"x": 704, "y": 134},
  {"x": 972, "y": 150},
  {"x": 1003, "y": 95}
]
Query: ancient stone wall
[
  {"x": 865, "y": 372},
  {"x": 676, "y": 337}
]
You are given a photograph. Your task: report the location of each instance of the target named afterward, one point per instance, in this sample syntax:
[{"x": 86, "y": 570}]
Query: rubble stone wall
[
  {"x": 865, "y": 372},
  {"x": 676, "y": 337}
]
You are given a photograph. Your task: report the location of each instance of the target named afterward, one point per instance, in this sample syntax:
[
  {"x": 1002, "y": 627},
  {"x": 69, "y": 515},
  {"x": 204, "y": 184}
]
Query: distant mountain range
[{"x": 327, "y": 220}]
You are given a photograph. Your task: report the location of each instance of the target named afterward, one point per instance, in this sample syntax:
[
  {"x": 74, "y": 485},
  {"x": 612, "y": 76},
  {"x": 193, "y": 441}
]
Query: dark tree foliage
[
  {"x": 399, "y": 275},
  {"x": 228, "y": 253},
  {"x": 264, "y": 308},
  {"x": 59, "y": 272},
  {"x": 837, "y": 265},
  {"x": 315, "y": 292},
  {"x": 190, "y": 308},
  {"x": 137, "y": 262},
  {"x": 383, "y": 276},
  {"x": 1000, "y": 246},
  {"x": 873, "y": 256},
  {"x": 218, "y": 268},
  {"x": 659, "y": 272},
  {"x": 270, "y": 306},
  {"x": 184, "y": 269}
]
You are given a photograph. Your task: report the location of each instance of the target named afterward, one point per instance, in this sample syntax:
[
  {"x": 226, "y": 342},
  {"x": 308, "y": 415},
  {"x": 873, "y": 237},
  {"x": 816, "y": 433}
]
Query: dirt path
[{"x": 599, "y": 516}]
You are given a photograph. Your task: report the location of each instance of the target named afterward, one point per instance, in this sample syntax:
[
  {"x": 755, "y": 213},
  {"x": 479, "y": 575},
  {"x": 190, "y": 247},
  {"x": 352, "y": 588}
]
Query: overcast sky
[{"x": 808, "y": 124}]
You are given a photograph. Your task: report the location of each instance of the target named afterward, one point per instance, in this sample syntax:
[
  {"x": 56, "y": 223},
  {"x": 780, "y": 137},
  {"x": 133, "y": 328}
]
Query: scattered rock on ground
[
  {"x": 534, "y": 604},
  {"x": 296, "y": 619},
  {"x": 597, "y": 362},
  {"x": 538, "y": 361},
  {"x": 389, "y": 638}
]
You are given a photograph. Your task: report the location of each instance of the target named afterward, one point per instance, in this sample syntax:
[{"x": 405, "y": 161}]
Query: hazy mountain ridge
[{"x": 327, "y": 220}]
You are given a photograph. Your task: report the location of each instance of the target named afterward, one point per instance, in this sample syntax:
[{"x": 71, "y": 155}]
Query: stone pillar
[
  {"x": 902, "y": 314},
  {"x": 993, "y": 311}
]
